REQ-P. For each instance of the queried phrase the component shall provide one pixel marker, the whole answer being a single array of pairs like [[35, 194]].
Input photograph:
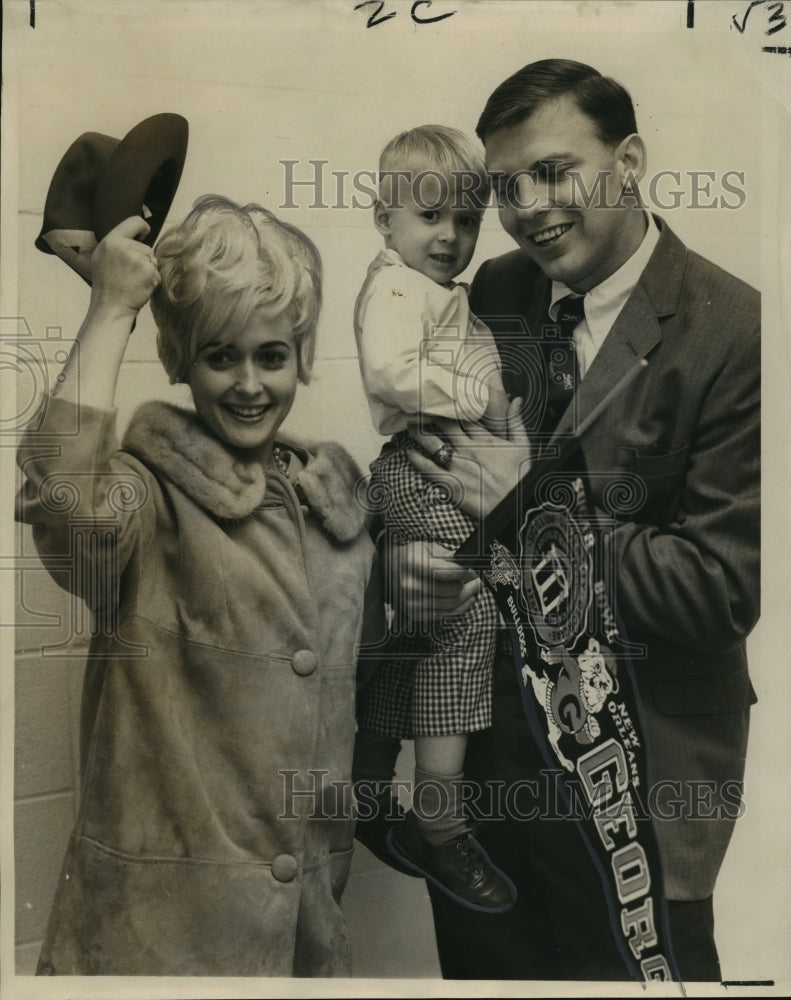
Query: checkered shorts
[[435, 684]]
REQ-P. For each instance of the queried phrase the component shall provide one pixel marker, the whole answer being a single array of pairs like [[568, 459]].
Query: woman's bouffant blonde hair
[[224, 262]]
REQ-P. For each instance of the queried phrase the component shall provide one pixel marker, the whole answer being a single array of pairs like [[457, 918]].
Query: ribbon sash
[[545, 556]]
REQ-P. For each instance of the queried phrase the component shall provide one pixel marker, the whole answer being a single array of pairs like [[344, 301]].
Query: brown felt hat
[[101, 181]]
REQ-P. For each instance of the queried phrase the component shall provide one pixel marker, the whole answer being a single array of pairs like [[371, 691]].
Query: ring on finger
[[443, 455]]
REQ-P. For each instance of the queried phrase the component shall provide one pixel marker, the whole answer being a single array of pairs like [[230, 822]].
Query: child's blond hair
[[442, 151]]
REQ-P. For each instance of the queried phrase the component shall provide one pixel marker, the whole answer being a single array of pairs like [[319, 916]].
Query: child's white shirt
[[420, 348]]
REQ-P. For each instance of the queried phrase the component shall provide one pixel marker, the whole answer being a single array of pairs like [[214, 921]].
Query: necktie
[[560, 358]]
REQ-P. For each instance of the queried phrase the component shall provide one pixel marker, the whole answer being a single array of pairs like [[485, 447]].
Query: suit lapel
[[634, 334]]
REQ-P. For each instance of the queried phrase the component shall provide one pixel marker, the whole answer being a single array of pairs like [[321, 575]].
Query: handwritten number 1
[[375, 19]]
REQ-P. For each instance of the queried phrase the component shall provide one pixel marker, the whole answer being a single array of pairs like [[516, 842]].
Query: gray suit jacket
[[675, 458]]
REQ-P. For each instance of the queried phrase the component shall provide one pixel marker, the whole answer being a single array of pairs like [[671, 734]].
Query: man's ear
[[381, 219], [632, 158]]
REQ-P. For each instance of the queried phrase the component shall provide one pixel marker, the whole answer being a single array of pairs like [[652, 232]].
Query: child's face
[[438, 242], [244, 389]]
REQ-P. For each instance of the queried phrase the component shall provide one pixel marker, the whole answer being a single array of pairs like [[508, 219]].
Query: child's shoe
[[460, 868]]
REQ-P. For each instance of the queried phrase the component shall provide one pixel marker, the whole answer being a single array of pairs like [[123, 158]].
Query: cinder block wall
[[46, 766]]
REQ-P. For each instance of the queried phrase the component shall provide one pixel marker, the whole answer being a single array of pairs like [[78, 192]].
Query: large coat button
[[304, 662], [284, 868]]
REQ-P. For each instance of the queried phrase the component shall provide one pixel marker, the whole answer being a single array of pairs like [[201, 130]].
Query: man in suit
[[677, 338]]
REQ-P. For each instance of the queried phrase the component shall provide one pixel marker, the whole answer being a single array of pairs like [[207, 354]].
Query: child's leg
[[436, 841], [373, 769], [438, 804], [374, 760], [442, 754]]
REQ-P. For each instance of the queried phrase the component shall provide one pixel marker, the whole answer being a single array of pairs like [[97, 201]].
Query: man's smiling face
[[557, 183]]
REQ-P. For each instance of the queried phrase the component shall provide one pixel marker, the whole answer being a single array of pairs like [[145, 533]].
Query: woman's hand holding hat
[[124, 273], [124, 269]]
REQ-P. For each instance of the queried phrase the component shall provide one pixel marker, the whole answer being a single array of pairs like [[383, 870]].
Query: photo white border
[[713, 52]]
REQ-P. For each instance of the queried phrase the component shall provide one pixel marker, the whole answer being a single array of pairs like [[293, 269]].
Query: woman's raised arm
[[124, 274]]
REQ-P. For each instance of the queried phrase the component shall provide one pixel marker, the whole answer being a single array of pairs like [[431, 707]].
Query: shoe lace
[[471, 855]]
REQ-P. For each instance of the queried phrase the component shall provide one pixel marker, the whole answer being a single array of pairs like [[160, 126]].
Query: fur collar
[[173, 441]]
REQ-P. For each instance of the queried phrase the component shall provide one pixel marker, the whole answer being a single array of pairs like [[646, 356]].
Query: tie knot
[[571, 310]]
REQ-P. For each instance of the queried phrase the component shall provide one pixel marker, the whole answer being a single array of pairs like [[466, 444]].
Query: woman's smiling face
[[243, 389]]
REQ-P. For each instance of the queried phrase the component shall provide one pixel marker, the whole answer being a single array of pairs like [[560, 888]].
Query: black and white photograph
[[393, 431]]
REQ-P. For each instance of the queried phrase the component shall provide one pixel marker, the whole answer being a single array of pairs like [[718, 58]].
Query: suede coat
[[218, 706]]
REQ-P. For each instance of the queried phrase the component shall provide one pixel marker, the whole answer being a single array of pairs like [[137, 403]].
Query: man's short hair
[[605, 101]]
